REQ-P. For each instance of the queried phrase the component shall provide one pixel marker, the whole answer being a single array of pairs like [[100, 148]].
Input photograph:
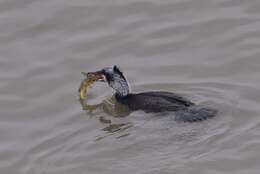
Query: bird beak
[[95, 76]]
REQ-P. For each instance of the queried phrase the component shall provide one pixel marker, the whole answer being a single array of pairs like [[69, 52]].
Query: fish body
[[87, 82], [83, 88]]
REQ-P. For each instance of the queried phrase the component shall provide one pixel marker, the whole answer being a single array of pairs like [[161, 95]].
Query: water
[[205, 50]]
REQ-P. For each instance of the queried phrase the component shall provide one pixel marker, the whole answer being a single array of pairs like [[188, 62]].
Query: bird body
[[152, 101], [155, 101]]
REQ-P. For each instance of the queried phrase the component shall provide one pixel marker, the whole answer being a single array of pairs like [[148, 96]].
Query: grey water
[[206, 50]]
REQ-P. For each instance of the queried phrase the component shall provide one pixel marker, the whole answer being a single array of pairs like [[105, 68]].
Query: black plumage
[[154, 101]]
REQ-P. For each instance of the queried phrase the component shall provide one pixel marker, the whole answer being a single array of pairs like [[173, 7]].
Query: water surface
[[205, 50]]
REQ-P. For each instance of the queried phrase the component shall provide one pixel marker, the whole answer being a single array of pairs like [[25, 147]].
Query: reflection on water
[[111, 108]]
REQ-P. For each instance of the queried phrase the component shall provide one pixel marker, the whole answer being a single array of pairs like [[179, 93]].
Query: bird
[[152, 101]]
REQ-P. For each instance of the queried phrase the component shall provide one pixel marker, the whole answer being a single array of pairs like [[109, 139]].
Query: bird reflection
[[112, 108]]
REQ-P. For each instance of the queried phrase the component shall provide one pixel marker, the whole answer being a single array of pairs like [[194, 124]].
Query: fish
[[90, 79]]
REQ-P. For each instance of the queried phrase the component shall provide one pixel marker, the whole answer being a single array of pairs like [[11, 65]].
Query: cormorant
[[154, 101]]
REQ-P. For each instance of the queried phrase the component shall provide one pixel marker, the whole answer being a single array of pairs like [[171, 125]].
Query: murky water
[[205, 50]]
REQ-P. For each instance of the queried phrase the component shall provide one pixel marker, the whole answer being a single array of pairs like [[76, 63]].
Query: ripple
[[204, 50]]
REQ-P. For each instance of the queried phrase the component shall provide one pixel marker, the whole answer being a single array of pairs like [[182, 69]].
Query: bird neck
[[120, 86], [122, 89]]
